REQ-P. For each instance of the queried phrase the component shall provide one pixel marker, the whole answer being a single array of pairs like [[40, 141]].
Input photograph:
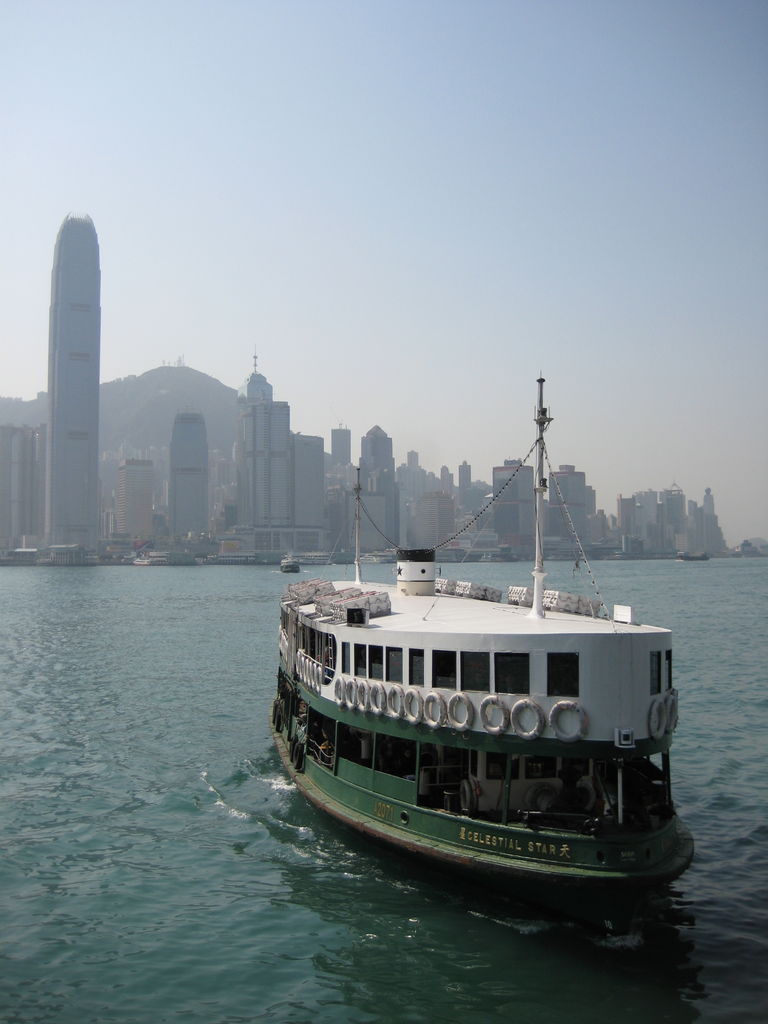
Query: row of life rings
[[663, 714], [436, 709], [310, 672], [567, 718]]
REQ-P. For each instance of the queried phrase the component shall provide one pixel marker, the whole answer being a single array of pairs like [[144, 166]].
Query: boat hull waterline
[[530, 864]]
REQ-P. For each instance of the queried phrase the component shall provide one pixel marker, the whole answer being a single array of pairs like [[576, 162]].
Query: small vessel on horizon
[[520, 737]]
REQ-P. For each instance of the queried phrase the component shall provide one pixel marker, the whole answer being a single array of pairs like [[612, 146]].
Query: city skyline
[[420, 207]]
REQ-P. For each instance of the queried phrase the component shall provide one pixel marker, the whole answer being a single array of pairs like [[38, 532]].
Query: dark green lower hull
[[601, 880]]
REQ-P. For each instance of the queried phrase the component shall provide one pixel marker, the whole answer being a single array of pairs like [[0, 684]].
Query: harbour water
[[157, 865]]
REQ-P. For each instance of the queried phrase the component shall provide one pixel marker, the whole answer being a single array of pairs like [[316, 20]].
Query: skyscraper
[[377, 476], [135, 483], [341, 446], [71, 500], [263, 462], [188, 490]]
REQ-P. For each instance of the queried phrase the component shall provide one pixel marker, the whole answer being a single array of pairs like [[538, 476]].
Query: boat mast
[[358, 578], [542, 421]]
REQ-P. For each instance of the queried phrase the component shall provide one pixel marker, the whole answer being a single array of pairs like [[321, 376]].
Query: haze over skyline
[[410, 211]]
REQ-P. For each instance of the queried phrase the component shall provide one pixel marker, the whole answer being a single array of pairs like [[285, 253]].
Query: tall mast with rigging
[[542, 421], [358, 578]]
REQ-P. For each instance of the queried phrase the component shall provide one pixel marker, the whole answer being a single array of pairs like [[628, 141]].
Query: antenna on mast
[[542, 421]]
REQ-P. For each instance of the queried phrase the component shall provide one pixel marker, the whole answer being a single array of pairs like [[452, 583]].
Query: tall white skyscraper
[[74, 341]]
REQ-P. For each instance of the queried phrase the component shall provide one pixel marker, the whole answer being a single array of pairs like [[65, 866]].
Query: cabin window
[[345, 658], [330, 650], [512, 672], [416, 667], [394, 664], [444, 669], [396, 756], [311, 647], [375, 662], [361, 660], [562, 675], [540, 767], [495, 765], [668, 667], [655, 671], [475, 670]]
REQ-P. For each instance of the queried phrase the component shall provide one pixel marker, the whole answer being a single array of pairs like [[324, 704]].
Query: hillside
[[139, 411]]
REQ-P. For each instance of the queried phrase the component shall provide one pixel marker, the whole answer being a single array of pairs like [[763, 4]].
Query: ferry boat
[[289, 564], [521, 738]]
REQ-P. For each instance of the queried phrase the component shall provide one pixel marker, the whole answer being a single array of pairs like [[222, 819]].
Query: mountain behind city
[[137, 413]]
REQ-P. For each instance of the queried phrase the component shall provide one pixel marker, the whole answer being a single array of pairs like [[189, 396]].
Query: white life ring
[[340, 691], [460, 700], [396, 701], [351, 692], [437, 719], [413, 696], [671, 704], [377, 698], [362, 694], [657, 718], [523, 707], [564, 707], [540, 796], [491, 704]]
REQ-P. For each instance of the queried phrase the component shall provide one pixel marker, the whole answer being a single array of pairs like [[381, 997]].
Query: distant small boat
[[151, 559], [289, 564], [685, 556]]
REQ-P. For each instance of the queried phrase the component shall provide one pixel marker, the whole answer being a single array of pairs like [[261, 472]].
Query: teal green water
[[157, 865]]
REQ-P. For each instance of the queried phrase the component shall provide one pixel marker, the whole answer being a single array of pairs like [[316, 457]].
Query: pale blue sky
[[410, 210]]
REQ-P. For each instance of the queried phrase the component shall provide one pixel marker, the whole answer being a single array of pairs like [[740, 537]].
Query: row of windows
[[508, 671], [470, 670]]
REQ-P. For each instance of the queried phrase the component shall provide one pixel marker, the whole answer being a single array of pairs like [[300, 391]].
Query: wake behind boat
[[521, 737]]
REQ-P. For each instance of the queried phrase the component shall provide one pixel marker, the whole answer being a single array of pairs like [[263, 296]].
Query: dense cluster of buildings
[[280, 491]]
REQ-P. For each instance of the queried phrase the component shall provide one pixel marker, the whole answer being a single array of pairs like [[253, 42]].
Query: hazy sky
[[410, 210]]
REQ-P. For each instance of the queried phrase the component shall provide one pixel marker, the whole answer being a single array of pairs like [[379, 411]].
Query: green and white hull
[[531, 753]]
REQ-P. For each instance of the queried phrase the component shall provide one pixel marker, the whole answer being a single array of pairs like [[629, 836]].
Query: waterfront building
[[465, 485], [572, 486], [72, 505], [341, 446], [513, 510], [22, 486], [673, 519], [432, 521], [135, 489], [377, 477], [263, 457], [188, 480], [308, 493]]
